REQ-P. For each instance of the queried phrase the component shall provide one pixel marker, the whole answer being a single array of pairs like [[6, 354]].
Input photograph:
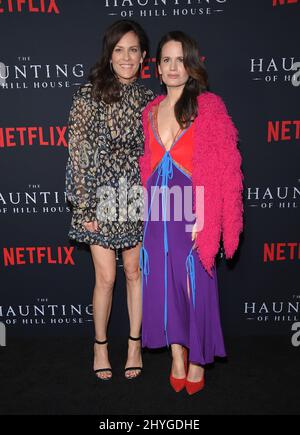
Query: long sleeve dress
[[105, 142]]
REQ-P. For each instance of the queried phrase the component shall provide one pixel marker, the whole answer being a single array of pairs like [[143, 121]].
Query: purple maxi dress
[[180, 299]]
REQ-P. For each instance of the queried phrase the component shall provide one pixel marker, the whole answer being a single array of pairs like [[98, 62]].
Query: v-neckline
[[154, 116]]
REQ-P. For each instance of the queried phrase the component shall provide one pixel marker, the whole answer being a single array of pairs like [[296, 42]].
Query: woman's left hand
[[194, 234]]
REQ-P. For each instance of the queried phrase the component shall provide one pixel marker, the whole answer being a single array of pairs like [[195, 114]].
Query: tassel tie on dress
[[144, 262], [190, 268], [166, 173]]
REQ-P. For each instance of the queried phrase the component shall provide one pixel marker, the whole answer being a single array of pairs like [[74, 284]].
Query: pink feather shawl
[[217, 167]]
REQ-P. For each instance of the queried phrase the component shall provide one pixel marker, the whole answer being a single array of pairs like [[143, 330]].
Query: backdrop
[[47, 48]]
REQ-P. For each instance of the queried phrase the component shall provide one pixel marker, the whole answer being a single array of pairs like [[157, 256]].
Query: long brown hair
[[104, 83], [186, 108]]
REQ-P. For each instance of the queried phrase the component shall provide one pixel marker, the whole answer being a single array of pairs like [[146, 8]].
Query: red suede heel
[[194, 387], [178, 384]]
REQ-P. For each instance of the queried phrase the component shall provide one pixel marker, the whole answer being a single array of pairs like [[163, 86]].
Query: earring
[[140, 69], [111, 68], [160, 79]]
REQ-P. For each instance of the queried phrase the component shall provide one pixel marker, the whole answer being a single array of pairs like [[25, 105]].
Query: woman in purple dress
[[191, 169]]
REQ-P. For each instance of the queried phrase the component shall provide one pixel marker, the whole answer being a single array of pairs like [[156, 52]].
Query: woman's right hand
[[91, 226]]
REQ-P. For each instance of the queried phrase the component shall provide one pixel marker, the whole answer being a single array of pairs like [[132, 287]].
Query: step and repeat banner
[[252, 55]]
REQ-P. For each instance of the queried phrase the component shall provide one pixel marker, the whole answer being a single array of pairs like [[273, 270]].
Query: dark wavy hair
[[186, 108], [105, 85]]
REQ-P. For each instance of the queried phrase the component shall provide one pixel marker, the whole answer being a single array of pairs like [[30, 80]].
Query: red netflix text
[[41, 136], [38, 255], [284, 2], [281, 251], [283, 130], [33, 6], [149, 69]]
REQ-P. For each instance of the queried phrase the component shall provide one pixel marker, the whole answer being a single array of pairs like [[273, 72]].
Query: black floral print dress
[[102, 175]]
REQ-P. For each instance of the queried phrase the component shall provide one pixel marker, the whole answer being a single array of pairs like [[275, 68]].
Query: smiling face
[[126, 57], [171, 66]]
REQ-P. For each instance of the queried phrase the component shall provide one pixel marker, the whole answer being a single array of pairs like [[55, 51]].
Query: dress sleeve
[[81, 171], [147, 97]]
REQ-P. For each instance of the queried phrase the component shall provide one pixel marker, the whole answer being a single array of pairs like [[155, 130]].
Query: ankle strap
[[100, 342], [134, 338]]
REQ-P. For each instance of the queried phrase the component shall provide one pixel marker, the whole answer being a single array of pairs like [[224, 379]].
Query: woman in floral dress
[[105, 142]]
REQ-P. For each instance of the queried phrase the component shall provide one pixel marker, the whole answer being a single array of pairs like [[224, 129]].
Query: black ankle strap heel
[[133, 368], [134, 338], [105, 369], [100, 342]]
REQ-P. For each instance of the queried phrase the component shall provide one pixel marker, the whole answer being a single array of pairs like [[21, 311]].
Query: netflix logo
[[284, 2], [32, 6], [33, 136], [20, 256], [283, 130], [285, 251]]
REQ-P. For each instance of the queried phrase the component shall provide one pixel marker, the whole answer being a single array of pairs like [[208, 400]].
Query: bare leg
[[195, 373], [178, 370], [105, 274], [134, 303]]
